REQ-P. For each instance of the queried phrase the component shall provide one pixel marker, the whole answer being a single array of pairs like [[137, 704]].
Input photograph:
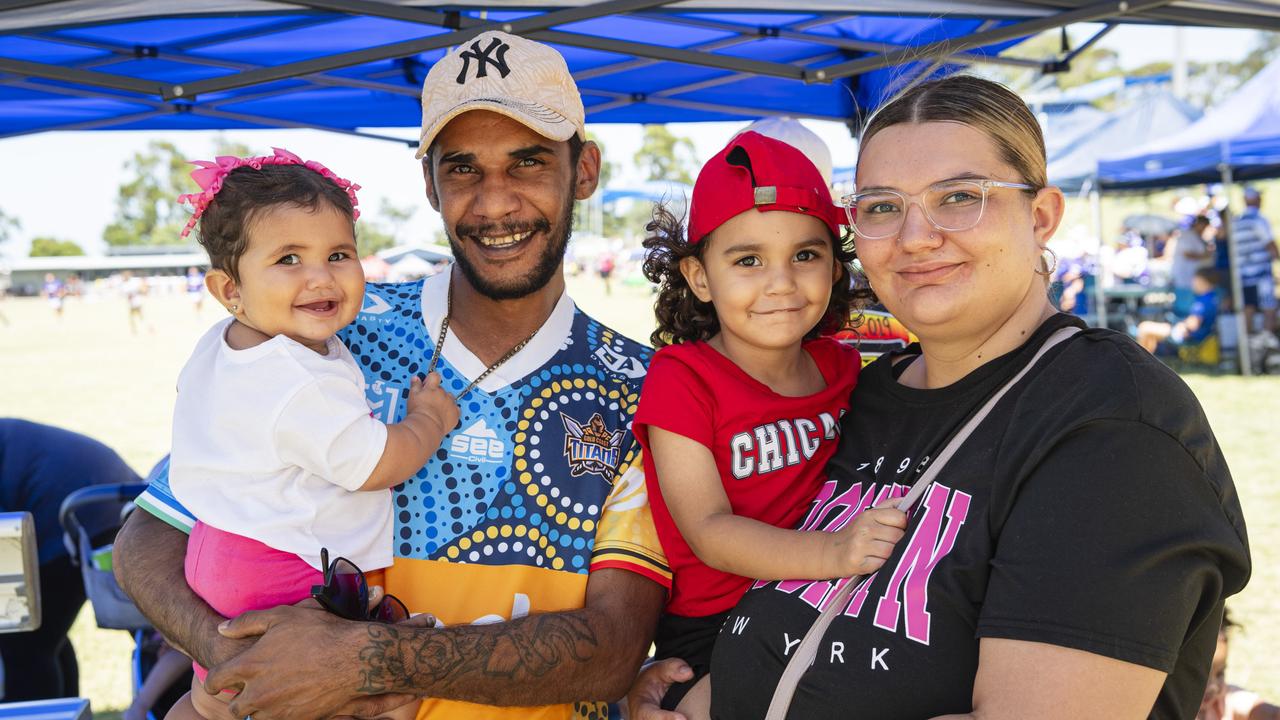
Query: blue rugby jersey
[[540, 482]]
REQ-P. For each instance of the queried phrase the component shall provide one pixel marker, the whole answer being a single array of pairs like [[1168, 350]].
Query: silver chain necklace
[[444, 330]]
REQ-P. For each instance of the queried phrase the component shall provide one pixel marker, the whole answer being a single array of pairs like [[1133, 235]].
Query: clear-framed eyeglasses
[[951, 205]]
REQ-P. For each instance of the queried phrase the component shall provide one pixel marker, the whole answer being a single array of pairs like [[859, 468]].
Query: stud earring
[[233, 309]]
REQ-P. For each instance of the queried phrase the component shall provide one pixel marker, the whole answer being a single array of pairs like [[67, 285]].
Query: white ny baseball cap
[[791, 132], [525, 80]]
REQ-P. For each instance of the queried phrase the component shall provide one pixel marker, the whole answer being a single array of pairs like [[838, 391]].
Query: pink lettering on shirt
[[928, 545]]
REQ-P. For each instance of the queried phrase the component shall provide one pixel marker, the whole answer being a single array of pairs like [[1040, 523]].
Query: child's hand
[[429, 399], [863, 546]]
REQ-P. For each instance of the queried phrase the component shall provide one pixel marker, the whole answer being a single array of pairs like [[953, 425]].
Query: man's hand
[[308, 663], [644, 701], [284, 635], [304, 665]]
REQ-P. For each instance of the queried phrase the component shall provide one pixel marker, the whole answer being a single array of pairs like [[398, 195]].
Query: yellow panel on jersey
[[626, 537]]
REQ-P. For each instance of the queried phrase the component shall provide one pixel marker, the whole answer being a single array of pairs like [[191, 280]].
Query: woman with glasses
[[1071, 558]]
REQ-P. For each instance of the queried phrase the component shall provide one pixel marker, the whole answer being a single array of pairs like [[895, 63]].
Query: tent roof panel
[[652, 113], [777, 94], [191, 121], [82, 12], [46, 51], [79, 12], [578, 59], [165, 31], [653, 31], [778, 50], [336, 107], [165, 71], [342, 34], [651, 79], [273, 62], [1256, 105], [1154, 115], [773, 19]]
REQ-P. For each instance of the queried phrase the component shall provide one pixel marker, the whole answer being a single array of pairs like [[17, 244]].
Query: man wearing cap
[[1255, 251], [528, 535]]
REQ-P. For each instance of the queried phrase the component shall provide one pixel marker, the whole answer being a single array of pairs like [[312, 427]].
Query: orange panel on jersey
[[445, 710], [509, 590], [426, 586]]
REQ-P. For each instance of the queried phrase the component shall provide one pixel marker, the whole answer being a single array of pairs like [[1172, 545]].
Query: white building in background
[[28, 273]]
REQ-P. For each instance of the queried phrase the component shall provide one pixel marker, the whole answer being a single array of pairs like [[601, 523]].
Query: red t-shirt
[[771, 450]]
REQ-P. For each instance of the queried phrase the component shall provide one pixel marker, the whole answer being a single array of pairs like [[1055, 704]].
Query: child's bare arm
[[863, 546], [432, 413], [698, 504]]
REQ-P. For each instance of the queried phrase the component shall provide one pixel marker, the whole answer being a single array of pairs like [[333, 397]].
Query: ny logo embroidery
[[484, 58]]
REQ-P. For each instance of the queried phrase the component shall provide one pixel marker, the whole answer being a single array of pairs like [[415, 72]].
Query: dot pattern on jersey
[[501, 489]]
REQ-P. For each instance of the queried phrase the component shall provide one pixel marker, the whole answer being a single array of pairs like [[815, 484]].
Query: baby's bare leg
[[200, 705], [696, 704], [408, 711], [183, 709], [186, 709]]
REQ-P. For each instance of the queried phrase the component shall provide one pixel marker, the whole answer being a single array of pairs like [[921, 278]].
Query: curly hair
[[682, 317], [246, 193]]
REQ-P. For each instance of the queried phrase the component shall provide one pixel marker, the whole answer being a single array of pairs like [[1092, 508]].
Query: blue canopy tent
[[651, 190], [352, 65], [1242, 132], [1073, 167], [1153, 116], [1068, 115], [1065, 125], [1238, 140]]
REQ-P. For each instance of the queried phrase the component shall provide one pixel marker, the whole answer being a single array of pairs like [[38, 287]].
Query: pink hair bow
[[210, 175]]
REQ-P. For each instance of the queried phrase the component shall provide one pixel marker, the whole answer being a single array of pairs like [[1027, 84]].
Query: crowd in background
[[1167, 280]]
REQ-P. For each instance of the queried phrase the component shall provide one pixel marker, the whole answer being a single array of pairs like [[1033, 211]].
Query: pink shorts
[[235, 574]]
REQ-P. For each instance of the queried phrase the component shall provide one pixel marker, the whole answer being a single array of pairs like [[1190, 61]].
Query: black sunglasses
[[346, 594]]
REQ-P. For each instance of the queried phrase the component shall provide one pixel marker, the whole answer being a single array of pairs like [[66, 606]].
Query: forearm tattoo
[[476, 662]]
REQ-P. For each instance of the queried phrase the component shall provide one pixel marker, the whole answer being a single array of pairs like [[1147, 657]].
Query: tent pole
[[1237, 292], [1099, 290]]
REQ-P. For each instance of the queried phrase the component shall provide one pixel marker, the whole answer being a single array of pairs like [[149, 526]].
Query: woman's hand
[[644, 701]]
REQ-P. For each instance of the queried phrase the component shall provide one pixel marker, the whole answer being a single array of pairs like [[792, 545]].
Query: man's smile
[[499, 242]]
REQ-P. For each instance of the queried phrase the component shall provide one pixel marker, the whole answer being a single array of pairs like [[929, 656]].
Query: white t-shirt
[[274, 442], [1184, 268]]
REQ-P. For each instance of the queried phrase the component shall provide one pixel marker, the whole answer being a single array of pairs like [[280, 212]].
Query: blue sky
[[64, 184]]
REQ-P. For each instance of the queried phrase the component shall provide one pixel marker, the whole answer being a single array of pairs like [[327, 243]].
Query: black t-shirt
[[1092, 510]]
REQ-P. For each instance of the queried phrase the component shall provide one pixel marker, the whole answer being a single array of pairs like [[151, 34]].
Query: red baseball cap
[[755, 171]]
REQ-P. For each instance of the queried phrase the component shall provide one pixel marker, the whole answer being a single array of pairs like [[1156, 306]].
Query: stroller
[[90, 519]]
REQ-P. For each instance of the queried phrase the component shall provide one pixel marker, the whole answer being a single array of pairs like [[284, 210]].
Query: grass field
[[88, 373]]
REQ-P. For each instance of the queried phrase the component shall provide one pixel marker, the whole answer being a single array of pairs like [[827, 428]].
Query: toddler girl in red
[[741, 406]]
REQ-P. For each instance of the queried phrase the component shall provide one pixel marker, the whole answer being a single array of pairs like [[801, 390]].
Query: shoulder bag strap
[[807, 651]]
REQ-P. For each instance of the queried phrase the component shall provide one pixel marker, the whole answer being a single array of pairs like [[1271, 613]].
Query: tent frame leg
[[1099, 288], [1237, 290]]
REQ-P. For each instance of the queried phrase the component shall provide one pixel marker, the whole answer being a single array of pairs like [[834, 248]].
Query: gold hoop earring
[[1050, 266]]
